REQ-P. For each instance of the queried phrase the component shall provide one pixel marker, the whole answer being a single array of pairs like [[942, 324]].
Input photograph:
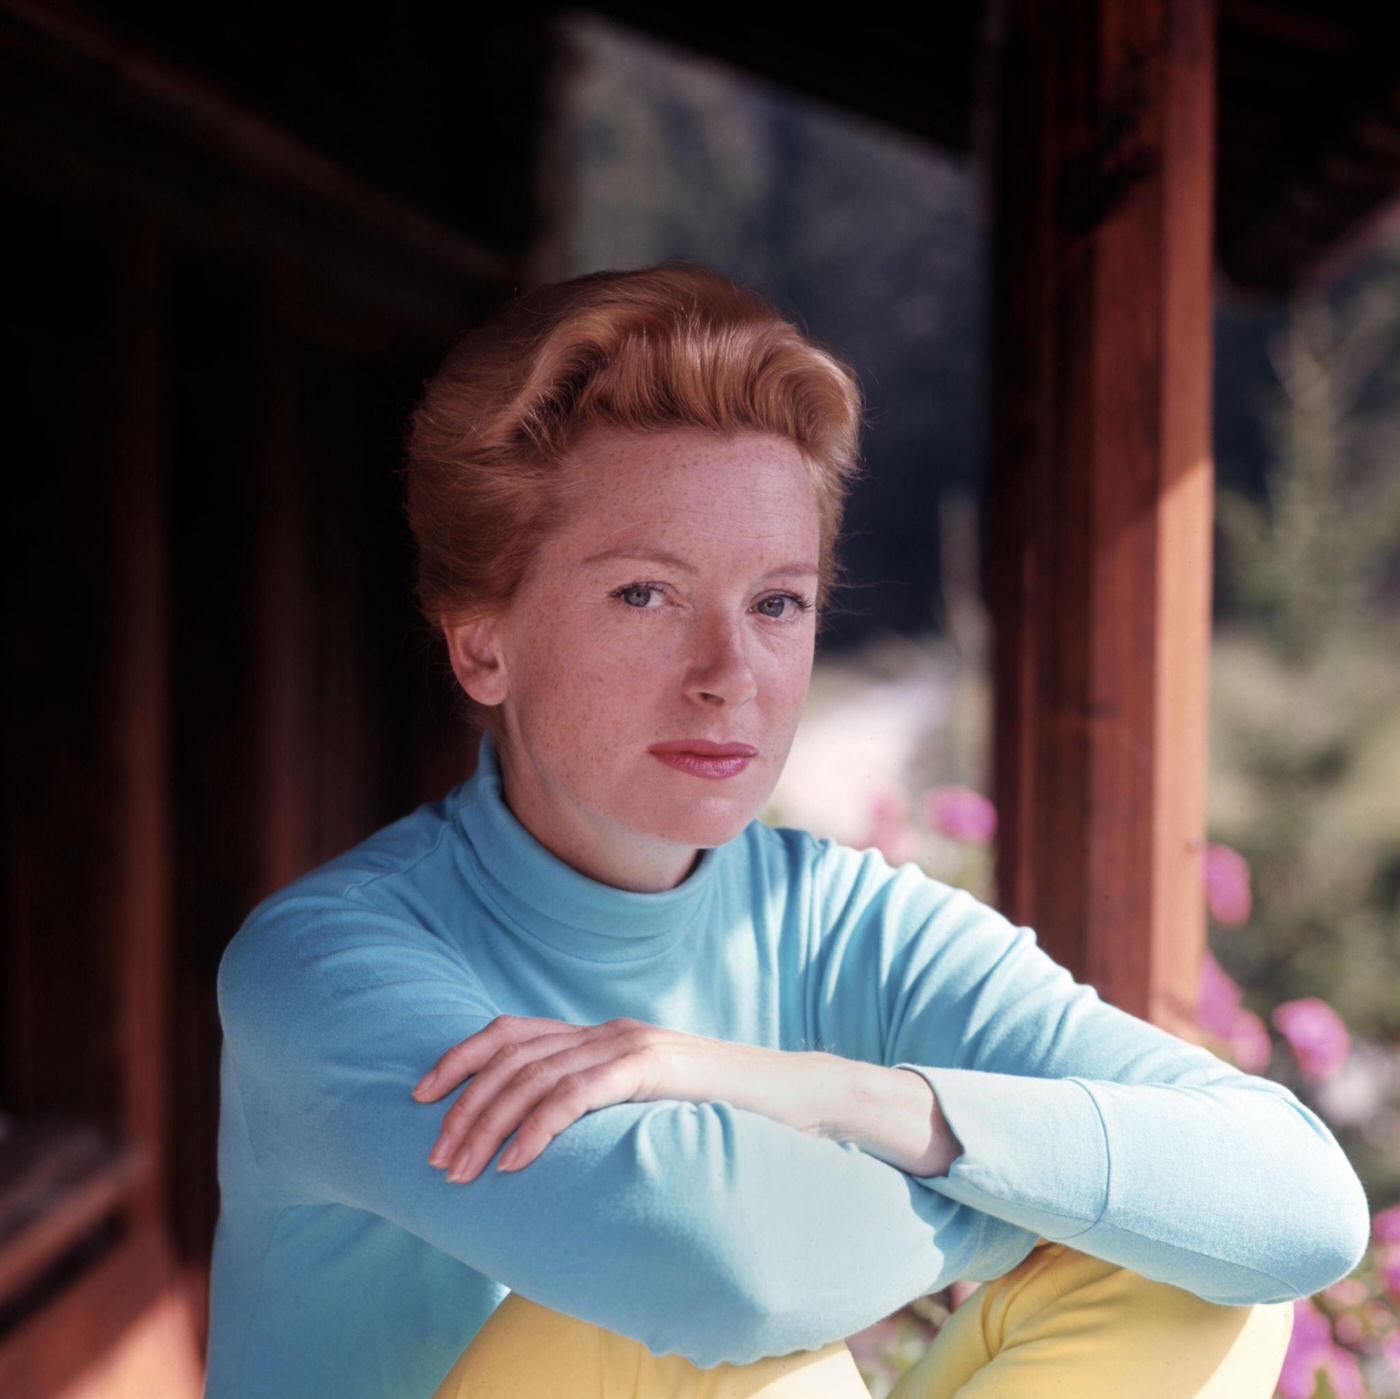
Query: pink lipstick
[[705, 758]]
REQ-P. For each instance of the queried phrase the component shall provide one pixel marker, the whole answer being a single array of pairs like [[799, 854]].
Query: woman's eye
[[799, 604], [631, 588]]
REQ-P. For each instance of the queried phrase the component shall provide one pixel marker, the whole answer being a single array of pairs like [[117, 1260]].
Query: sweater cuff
[[1034, 1150]]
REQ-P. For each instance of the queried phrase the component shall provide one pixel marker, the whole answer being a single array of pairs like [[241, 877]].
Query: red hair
[[673, 345]]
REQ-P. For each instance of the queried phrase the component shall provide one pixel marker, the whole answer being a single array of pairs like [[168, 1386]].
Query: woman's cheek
[[608, 672]]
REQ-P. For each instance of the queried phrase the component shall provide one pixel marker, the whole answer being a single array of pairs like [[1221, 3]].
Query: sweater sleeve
[[1077, 1120], [673, 1223]]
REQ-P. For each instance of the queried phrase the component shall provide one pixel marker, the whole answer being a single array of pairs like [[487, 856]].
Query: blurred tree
[[1305, 724]]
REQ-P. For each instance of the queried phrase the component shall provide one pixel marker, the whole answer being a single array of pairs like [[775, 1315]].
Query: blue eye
[[799, 603], [621, 594]]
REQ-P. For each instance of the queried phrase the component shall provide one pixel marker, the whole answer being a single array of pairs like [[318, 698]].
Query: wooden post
[[140, 710], [1099, 508], [282, 631]]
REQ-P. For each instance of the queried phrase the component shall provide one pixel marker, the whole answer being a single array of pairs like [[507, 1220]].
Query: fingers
[[570, 1097], [541, 1099], [487, 1081], [465, 1058]]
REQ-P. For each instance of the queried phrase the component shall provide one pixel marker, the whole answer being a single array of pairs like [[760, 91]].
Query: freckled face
[[605, 657]]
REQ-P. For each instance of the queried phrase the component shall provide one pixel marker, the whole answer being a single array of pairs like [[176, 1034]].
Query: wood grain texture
[[1100, 493]]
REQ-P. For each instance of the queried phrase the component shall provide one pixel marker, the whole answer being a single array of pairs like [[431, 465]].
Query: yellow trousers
[[1060, 1323]]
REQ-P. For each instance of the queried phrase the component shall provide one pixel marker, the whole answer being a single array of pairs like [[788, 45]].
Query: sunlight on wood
[[158, 1358]]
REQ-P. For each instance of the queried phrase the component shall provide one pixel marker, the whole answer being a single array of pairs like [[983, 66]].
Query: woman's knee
[[1128, 1333], [1063, 1322], [526, 1348]]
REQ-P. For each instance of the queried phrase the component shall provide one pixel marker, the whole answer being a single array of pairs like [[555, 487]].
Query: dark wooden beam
[[120, 1326], [1099, 503], [95, 119], [138, 707], [1303, 185]]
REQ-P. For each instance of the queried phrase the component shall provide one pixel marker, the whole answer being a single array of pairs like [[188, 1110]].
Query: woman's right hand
[[535, 1076]]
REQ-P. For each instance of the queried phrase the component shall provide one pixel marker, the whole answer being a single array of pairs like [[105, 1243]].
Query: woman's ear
[[474, 650]]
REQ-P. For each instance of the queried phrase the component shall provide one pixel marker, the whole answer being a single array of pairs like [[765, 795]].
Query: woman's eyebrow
[[650, 555]]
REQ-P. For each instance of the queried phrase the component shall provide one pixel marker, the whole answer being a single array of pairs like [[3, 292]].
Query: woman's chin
[[685, 810], [705, 823]]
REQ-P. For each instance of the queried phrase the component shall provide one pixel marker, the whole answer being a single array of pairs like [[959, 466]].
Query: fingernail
[[511, 1156], [425, 1083]]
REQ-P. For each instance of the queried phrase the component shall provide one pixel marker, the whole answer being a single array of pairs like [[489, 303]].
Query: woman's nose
[[721, 669]]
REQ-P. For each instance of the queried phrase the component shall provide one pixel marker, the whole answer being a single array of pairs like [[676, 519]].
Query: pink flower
[[1218, 999], [889, 830], [1311, 1336], [1345, 1374], [889, 807], [1378, 1316], [1315, 1033], [1310, 1349], [1220, 1014], [1390, 1275], [1249, 1042], [1227, 884], [1349, 1292], [1348, 1328], [961, 813], [1390, 1348], [1385, 1227]]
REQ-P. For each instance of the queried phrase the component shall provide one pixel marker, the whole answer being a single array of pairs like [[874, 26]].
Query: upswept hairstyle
[[672, 345]]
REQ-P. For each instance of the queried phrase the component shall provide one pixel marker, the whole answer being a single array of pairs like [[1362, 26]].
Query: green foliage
[[1305, 721], [1316, 554]]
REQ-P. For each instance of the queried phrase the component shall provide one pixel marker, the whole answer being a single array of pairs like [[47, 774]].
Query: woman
[[764, 1088]]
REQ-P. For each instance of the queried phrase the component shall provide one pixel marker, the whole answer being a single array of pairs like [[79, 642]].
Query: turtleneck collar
[[549, 900]]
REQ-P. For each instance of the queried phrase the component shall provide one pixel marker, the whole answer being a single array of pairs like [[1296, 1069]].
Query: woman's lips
[[698, 766]]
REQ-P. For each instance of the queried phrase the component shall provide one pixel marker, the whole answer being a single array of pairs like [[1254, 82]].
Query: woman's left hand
[[535, 1076]]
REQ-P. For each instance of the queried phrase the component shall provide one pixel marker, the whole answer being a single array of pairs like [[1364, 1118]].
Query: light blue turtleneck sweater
[[345, 1264]]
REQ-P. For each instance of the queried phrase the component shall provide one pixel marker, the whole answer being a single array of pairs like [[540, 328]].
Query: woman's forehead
[[681, 498], [640, 481], [643, 551]]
